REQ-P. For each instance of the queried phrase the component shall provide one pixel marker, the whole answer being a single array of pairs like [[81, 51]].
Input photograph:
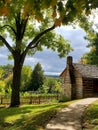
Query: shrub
[[63, 98]]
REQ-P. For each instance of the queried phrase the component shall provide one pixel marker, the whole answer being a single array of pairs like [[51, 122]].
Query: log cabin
[[79, 80]]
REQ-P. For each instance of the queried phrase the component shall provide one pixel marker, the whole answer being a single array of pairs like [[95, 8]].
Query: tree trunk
[[16, 82]]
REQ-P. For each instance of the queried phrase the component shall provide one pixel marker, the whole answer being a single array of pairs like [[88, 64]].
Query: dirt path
[[70, 118]]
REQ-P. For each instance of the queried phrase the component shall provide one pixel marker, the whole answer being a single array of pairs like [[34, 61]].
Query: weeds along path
[[70, 118]]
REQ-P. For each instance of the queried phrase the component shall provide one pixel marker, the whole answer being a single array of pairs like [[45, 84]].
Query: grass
[[91, 117], [28, 117]]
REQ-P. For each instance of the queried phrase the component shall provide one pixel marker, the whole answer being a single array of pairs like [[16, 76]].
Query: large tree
[[27, 21]]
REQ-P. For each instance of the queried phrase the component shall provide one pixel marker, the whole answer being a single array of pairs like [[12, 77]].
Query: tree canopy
[[24, 20]]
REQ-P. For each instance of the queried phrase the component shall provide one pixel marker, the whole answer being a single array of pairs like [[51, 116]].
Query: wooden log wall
[[88, 85]]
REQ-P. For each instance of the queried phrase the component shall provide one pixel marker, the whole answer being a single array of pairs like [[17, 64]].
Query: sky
[[50, 61]]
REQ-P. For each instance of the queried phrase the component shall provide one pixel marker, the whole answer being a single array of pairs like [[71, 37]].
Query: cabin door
[[95, 87]]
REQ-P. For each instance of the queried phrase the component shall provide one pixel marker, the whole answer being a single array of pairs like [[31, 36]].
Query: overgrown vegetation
[[90, 120], [28, 117]]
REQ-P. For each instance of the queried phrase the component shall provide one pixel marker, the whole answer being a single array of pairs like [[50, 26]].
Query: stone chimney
[[69, 60]]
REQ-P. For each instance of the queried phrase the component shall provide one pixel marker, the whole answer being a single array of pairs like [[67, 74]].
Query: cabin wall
[[89, 87]]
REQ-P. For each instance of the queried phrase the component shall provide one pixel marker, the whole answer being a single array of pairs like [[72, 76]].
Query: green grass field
[[28, 117], [91, 117]]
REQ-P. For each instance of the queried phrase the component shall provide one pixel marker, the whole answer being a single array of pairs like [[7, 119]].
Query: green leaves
[[63, 47], [92, 56], [38, 15], [57, 43]]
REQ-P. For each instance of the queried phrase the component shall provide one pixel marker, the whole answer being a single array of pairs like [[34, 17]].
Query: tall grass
[[91, 117]]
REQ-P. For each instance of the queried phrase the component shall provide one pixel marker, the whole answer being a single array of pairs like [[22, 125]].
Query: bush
[[63, 98]]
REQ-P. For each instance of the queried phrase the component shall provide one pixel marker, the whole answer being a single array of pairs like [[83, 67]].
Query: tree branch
[[7, 44], [35, 45], [35, 41], [20, 26], [23, 24], [10, 28]]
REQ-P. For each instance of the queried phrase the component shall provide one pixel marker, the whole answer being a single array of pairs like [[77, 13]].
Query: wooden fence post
[[1, 102], [30, 100], [39, 99]]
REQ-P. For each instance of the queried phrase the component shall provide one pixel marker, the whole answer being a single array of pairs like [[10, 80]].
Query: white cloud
[[3, 56], [49, 60], [31, 60], [77, 41]]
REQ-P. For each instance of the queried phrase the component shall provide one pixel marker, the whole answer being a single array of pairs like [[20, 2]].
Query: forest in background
[[50, 84]]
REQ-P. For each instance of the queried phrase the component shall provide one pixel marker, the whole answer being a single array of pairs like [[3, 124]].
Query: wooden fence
[[30, 99]]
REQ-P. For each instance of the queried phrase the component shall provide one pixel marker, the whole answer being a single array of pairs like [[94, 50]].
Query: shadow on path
[[70, 118]]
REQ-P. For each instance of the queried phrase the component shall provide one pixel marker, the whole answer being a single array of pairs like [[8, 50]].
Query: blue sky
[[49, 60]]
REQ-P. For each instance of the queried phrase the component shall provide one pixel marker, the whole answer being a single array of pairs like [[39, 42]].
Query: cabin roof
[[88, 71]]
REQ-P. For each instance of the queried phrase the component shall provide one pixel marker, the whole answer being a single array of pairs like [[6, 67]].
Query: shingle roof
[[89, 71]]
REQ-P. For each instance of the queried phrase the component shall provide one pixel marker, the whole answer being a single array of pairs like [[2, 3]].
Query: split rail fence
[[30, 99]]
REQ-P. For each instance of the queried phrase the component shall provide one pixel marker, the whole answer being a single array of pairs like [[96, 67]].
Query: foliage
[[5, 74], [8, 82], [5, 71], [32, 22], [63, 98], [91, 116], [92, 56], [26, 77], [37, 94], [6, 78], [2, 87], [51, 85], [37, 78], [92, 39]]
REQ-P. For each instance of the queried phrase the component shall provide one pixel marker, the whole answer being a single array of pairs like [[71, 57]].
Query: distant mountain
[[53, 76]]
